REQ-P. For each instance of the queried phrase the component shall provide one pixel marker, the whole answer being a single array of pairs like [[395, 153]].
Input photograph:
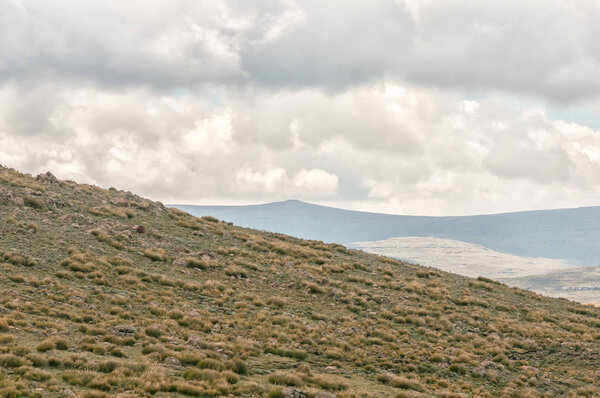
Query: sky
[[418, 107]]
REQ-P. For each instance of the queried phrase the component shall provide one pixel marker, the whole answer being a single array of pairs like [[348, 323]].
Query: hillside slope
[[568, 234], [104, 293]]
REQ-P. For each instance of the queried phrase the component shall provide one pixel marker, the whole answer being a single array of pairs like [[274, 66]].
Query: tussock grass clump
[[109, 211], [400, 382], [18, 259], [33, 202], [156, 254], [11, 361], [286, 379], [153, 331], [198, 263]]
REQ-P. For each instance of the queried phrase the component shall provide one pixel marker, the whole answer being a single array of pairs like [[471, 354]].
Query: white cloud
[[312, 183], [373, 105], [373, 147]]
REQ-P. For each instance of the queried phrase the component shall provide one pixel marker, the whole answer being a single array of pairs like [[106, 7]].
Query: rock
[[142, 205], [19, 201], [530, 370], [293, 393], [120, 202], [479, 371], [324, 395], [172, 361], [47, 178], [194, 341], [67, 393], [180, 262], [182, 249], [124, 330], [492, 365]]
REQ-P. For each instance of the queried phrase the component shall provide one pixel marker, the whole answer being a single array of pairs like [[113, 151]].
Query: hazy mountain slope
[[569, 234], [460, 257], [105, 294], [581, 284], [547, 276]]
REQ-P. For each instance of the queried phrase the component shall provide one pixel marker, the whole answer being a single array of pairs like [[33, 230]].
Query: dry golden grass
[[93, 304]]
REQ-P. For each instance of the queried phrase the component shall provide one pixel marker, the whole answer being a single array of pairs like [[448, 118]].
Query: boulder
[[47, 178]]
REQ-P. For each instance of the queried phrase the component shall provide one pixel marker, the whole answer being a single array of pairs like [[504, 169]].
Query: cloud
[[405, 106], [545, 49], [306, 183], [379, 147]]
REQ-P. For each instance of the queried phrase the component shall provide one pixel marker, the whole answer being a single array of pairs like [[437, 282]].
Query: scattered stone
[[182, 249], [47, 178], [120, 202], [19, 201], [142, 206], [324, 395], [124, 330], [194, 341], [293, 393], [492, 365], [180, 262], [174, 362], [67, 393]]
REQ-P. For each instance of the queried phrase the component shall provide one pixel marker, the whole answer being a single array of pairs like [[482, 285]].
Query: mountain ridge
[[568, 234]]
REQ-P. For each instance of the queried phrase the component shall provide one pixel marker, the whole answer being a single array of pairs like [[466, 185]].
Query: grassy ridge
[[104, 293]]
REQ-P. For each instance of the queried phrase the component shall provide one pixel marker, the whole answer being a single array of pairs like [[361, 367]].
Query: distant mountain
[[569, 234]]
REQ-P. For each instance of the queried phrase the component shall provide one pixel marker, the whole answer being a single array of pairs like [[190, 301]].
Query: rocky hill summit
[[107, 294]]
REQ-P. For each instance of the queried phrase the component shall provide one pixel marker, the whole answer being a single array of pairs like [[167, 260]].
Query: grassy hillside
[[104, 293]]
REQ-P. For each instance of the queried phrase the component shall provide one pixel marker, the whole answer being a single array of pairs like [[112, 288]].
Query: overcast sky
[[412, 107]]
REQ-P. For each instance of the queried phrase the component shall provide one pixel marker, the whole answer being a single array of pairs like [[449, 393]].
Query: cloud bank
[[406, 107]]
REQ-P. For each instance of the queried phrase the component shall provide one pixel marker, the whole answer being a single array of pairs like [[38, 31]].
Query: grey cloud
[[161, 45], [340, 43], [547, 49], [516, 161]]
